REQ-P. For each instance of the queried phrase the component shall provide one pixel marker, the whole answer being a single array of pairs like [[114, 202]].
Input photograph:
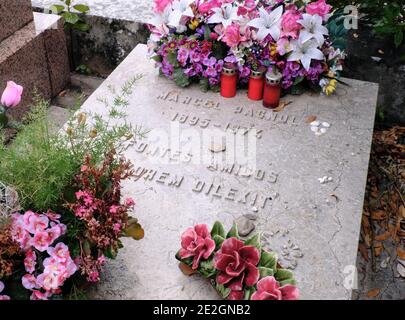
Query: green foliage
[[71, 13], [233, 232], [41, 164], [337, 30], [180, 78]]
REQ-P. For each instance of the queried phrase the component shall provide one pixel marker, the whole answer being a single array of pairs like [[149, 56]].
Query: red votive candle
[[272, 90], [256, 85], [229, 80]]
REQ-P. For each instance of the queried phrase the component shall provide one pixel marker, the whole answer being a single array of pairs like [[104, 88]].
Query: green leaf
[[268, 260], [233, 233], [207, 268], [82, 26], [57, 8], [70, 18], [207, 33], [288, 281], [399, 38], [180, 78], [223, 292], [81, 8], [284, 274], [254, 241], [204, 85], [249, 292], [218, 241], [266, 272], [110, 253], [157, 58], [3, 120], [172, 58], [218, 229]]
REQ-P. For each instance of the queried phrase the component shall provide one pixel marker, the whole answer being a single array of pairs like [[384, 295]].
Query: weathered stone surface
[[14, 14], [314, 228], [27, 58], [245, 226]]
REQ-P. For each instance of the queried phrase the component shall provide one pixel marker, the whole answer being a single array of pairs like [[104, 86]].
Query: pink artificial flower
[[117, 227], [246, 7], [129, 202], [41, 241], [283, 46], [160, 5], [29, 281], [30, 261], [53, 216], [114, 209], [208, 5], [38, 295], [214, 36], [3, 297], [94, 276], [197, 242], [101, 259], [237, 264], [56, 231], [232, 35], [236, 295], [60, 252], [269, 289], [37, 223], [320, 7], [48, 281], [289, 23], [12, 95]]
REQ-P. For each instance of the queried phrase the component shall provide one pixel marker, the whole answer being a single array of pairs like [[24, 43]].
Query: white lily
[[313, 28], [305, 51], [225, 15], [180, 9], [268, 23]]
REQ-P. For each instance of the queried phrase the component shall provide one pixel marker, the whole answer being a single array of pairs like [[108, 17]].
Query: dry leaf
[[134, 230], [281, 106], [378, 249], [402, 211], [383, 236], [373, 293], [363, 251], [378, 215], [188, 271], [401, 253], [62, 94], [311, 119]]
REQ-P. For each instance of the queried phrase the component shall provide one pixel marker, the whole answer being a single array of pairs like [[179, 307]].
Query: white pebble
[[323, 130], [315, 123], [330, 179], [315, 129], [325, 125], [318, 133]]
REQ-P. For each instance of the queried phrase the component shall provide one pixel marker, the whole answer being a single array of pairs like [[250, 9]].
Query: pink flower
[[48, 281], [12, 95], [208, 5], [196, 242], [30, 261], [232, 35], [38, 295], [237, 264], [283, 46], [94, 276], [37, 223], [129, 202], [3, 297], [29, 281], [269, 289], [236, 295], [320, 7], [60, 252], [160, 5], [290, 25], [41, 241], [56, 231], [53, 216]]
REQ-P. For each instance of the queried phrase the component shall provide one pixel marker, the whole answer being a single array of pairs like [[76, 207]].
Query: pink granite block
[[14, 14]]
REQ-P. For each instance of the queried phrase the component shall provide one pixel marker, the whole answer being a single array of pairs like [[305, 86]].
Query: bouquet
[[237, 269], [191, 40]]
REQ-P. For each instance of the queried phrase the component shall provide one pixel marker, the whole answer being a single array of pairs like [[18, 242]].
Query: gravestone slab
[[313, 226], [14, 14]]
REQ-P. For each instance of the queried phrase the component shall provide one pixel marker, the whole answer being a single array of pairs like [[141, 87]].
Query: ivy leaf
[[254, 241], [218, 229], [233, 233], [268, 260], [180, 78]]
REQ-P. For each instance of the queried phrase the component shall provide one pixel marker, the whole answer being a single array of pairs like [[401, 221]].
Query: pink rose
[[12, 95], [160, 5], [236, 295], [232, 35], [269, 289], [237, 264], [290, 25], [196, 242], [320, 7]]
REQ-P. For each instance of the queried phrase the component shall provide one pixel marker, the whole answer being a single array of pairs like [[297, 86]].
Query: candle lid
[[229, 69], [258, 73], [273, 77]]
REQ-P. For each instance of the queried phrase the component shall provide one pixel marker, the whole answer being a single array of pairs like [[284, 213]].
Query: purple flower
[[209, 62], [211, 72], [182, 56], [195, 56]]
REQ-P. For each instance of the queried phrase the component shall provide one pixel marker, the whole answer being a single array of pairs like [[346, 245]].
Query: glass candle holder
[[256, 85], [229, 80], [272, 89]]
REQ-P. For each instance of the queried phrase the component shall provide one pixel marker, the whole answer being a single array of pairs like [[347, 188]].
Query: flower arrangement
[[70, 215], [191, 41], [237, 269]]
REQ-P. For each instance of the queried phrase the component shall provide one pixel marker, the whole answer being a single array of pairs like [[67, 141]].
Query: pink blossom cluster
[[36, 233]]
